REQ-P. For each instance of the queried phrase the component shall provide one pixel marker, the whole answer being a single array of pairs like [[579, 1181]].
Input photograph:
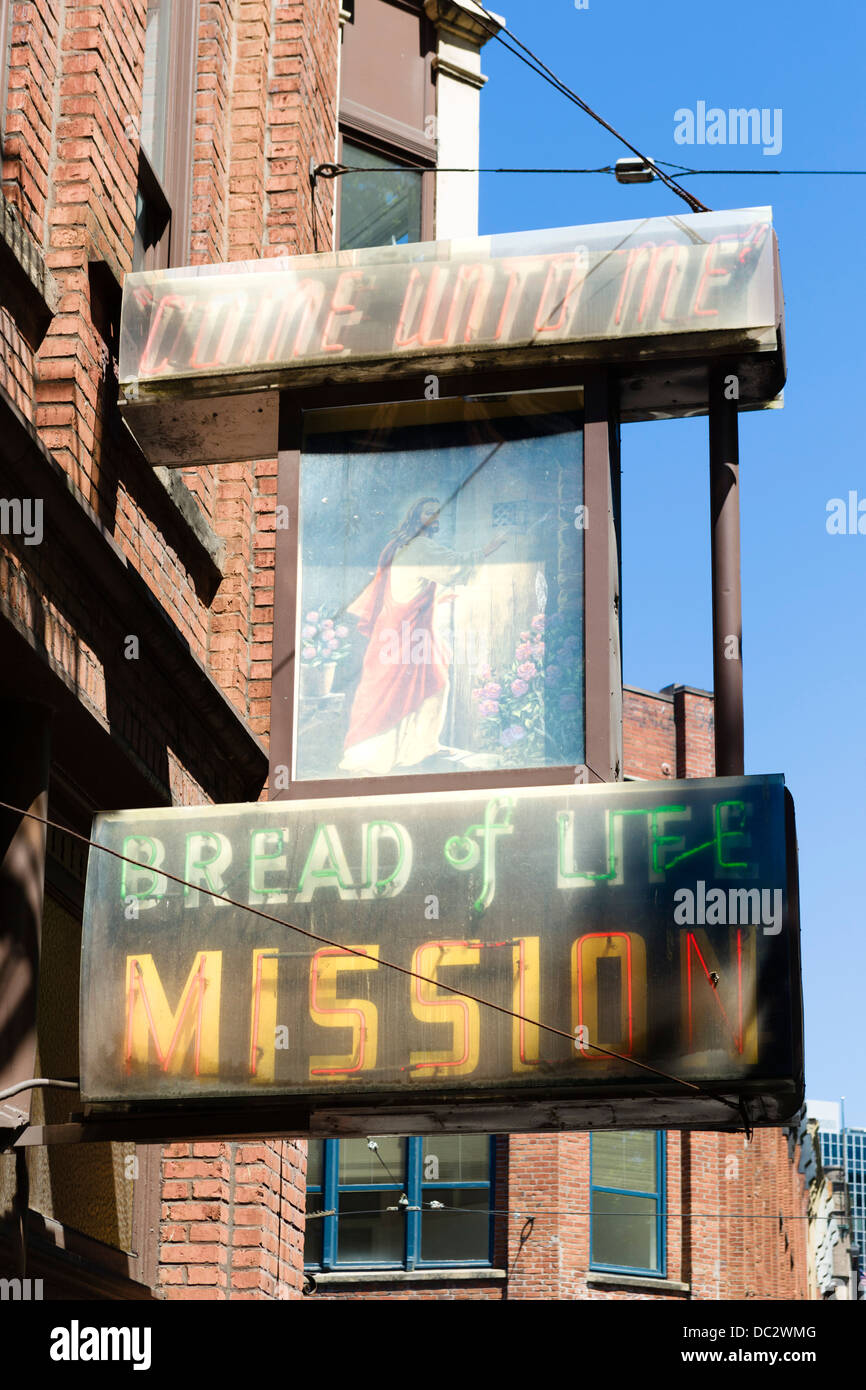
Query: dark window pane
[[368, 1234], [457, 1158], [359, 1164], [314, 1231], [315, 1162], [626, 1159], [624, 1231], [154, 103], [461, 1230], [378, 209]]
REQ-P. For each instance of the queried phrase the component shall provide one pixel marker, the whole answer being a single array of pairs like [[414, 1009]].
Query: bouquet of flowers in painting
[[529, 711], [324, 642]]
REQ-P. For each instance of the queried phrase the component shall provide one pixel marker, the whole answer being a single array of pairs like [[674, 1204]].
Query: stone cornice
[[465, 19]]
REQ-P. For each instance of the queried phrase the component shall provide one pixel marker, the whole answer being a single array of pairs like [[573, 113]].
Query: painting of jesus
[[421, 625]]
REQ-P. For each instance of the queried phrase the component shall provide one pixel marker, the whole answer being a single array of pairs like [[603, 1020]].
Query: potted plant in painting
[[324, 643]]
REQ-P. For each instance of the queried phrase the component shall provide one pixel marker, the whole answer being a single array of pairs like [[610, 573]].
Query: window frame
[[401, 154], [169, 196], [660, 1198], [415, 1188]]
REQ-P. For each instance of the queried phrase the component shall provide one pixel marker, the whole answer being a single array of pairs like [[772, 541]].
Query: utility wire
[[523, 1214], [550, 77], [352, 950], [373, 1146], [334, 171]]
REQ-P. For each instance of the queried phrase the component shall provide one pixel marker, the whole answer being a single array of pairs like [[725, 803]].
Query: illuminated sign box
[[609, 955], [680, 289]]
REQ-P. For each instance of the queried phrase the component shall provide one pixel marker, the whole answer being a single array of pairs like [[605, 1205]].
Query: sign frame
[[602, 623], [727, 1105]]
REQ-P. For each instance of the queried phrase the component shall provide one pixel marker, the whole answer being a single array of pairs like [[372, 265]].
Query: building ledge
[[636, 1281], [465, 19], [404, 1276], [239, 757], [458, 72], [30, 292]]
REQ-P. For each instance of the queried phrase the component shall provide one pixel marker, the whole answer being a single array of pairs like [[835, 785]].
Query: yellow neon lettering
[[151, 1023], [461, 1015], [330, 1012]]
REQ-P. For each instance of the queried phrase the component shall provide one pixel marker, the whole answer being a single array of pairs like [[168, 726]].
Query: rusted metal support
[[727, 603]]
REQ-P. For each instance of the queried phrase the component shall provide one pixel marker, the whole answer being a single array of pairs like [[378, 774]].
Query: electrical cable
[[390, 965], [334, 171], [524, 1215], [374, 1148], [541, 68], [36, 1084]]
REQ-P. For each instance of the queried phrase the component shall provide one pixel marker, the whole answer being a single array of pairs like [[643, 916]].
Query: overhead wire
[[538, 66], [523, 1213], [334, 171]]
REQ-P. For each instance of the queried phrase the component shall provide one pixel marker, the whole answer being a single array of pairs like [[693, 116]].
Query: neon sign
[[235, 326], [435, 946]]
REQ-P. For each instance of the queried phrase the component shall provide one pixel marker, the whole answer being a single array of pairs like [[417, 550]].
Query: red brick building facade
[[138, 625]]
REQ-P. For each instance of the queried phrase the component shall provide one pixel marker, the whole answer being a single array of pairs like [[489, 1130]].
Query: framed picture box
[[431, 594]]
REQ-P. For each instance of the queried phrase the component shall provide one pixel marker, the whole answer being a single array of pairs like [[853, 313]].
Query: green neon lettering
[[716, 842], [190, 864], [257, 856], [562, 819], [662, 839], [155, 877], [489, 829], [726, 834], [382, 882], [331, 854]]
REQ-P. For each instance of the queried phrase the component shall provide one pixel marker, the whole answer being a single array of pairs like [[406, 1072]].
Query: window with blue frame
[[627, 1185], [399, 1203]]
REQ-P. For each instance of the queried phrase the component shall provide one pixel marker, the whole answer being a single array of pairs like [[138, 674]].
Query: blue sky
[[804, 644]]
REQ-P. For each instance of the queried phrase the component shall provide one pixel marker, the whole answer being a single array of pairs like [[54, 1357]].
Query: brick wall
[[231, 1221], [265, 102], [16, 366]]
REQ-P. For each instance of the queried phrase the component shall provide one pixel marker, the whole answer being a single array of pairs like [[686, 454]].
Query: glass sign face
[[440, 582], [694, 274], [615, 944]]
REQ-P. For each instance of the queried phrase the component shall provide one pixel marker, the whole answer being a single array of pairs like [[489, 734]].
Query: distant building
[[844, 1147]]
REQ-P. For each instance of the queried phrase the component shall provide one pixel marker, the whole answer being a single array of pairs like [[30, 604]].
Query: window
[[378, 208], [627, 1182], [165, 156], [387, 121], [399, 1203]]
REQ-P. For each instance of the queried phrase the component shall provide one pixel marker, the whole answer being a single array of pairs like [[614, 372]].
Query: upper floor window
[[627, 1178], [382, 207], [399, 1203], [387, 121], [166, 135]]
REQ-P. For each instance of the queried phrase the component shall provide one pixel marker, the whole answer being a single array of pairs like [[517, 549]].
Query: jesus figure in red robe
[[402, 695]]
